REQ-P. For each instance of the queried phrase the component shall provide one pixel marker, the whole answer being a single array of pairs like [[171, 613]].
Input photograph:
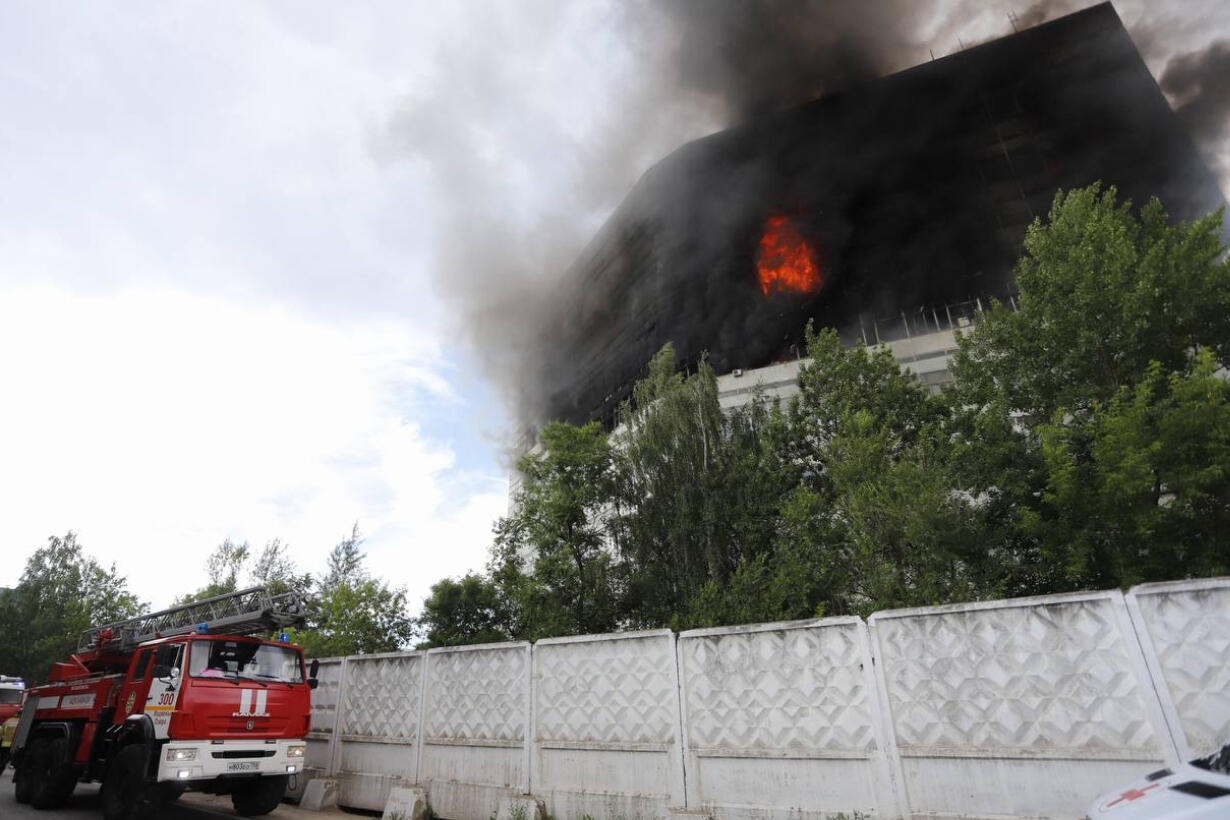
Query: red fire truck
[[184, 698]]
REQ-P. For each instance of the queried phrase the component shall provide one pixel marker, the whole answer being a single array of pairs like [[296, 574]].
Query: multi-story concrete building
[[907, 193]]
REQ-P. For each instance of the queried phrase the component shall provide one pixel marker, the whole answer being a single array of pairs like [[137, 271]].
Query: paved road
[[84, 805]]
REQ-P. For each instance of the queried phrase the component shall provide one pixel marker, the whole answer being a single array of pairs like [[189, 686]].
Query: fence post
[[418, 741], [681, 785], [335, 741], [528, 739], [1150, 692], [886, 731], [1170, 715]]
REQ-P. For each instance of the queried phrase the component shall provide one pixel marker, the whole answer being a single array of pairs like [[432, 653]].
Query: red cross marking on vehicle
[[1130, 795]]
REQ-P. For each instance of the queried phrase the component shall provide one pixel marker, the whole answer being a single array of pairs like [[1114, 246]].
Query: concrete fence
[[1013, 709]]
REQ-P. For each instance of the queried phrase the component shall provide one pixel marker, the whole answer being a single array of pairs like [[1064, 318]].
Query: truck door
[[133, 692], [165, 682]]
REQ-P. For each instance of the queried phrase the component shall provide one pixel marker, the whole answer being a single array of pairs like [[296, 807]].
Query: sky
[[245, 248]]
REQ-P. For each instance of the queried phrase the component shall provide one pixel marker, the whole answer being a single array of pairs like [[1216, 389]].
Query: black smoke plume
[[509, 221], [761, 56], [1198, 82]]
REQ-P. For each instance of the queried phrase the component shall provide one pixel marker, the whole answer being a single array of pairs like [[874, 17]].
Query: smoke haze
[[1199, 86], [759, 57], [540, 121]]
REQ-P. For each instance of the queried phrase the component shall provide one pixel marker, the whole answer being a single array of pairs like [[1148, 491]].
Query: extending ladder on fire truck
[[246, 612]]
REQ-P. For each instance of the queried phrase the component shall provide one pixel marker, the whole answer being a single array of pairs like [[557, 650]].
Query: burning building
[[911, 191]]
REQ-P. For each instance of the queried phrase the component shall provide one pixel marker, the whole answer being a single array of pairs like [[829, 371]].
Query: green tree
[[909, 537], [345, 561], [1142, 490], [875, 518], [276, 570], [223, 568], [469, 610], [62, 592], [697, 489], [353, 613], [1062, 406], [233, 565], [553, 553], [226, 564], [1102, 294]]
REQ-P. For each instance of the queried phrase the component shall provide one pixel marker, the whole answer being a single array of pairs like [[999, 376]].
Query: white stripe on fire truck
[[245, 701], [261, 697]]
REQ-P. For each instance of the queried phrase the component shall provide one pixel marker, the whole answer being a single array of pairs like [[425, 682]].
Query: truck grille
[[233, 754]]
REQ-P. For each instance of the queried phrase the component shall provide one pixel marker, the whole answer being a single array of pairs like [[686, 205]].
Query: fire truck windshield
[[243, 659], [8, 695]]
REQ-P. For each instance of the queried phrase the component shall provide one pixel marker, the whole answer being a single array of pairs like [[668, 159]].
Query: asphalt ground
[[85, 804]]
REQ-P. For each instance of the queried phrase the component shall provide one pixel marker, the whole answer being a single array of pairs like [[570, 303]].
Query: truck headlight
[[296, 751], [177, 755]]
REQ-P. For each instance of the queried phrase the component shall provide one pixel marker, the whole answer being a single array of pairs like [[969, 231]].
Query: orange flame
[[785, 262]]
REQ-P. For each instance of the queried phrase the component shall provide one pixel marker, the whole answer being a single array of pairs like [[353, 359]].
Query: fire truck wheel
[[125, 794], [170, 792], [260, 796], [21, 782], [50, 773]]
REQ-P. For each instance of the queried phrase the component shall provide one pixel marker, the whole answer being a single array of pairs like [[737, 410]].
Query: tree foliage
[[696, 488], [553, 553], [275, 569], [62, 592], [352, 612], [468, 610], [1089, 420], [233, 565]]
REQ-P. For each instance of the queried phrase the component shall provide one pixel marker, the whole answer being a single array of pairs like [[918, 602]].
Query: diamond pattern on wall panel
[[797, 690], [1026, 679], [619, 691], [324, 696], [477, 694], [1190, 630], [382, 697]]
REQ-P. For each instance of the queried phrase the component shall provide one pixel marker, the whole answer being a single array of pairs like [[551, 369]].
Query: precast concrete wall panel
[[606, 725], [1020, 708], [378, 727], [475, 728], [325, 697], [1024, 708], [781, 721], [1185, 630]]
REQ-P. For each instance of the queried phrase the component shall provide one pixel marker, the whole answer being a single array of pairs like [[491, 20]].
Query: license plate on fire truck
[[243, 767]]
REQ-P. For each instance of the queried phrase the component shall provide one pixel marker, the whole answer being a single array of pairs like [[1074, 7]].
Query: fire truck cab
[[153, 707], [12, 692]]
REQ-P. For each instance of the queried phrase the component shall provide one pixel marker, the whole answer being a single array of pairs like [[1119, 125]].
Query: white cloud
[[232, 331], [155, 423]]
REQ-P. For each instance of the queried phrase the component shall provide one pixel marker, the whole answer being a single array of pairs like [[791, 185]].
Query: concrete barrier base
[[319, 794], [521, 807], [405, 803]]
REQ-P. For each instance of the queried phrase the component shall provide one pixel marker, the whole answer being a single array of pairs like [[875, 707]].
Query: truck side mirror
[[312, 671]]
